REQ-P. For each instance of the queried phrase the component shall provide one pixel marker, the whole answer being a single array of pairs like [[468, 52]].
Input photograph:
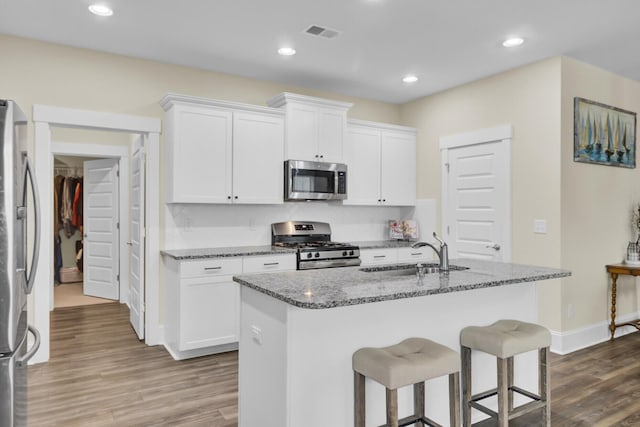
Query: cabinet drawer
[[379, 256], [415, 254], [211, 267], [265, 264]]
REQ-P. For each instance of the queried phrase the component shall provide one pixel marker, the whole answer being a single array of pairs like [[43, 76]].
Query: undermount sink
[[409, 269]]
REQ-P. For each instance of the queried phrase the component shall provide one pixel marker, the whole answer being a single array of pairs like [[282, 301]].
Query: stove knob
[[350, 252], [309, 255], [317, 255], [344, 253]]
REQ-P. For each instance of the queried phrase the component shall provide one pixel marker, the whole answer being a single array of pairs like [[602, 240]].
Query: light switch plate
[[540, 226]]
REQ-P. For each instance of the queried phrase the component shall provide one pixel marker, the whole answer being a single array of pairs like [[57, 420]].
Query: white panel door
[[101, 233], [137, 229], [477, 216], [258, 156]]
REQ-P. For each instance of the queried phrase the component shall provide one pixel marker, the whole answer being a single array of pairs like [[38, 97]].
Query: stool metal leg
[[359, 409], [544, 385], [418, 402], [503, 400], [454, 399], [392, 407], [510, 381], [466, 385]]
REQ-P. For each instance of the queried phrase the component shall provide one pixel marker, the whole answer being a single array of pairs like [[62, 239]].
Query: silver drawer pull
[[213, 268], [416, 253], [270, 263], [379, 256]]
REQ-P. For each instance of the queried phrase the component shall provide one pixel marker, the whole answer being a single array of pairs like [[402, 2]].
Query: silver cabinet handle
[[495, 246], [416, 253], [379, 256], [270, 263], [212, 268]]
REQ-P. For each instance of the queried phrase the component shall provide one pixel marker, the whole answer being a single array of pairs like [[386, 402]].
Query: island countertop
[[337, 287]]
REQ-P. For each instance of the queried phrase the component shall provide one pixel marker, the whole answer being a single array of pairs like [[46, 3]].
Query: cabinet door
[[378, 256], [362, 155], [199, 155], [398, 172], [302, 132], [258, 156], [331, 130], [209, 312]]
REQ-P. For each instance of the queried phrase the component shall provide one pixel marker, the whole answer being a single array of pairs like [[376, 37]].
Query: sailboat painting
[[603, 134]]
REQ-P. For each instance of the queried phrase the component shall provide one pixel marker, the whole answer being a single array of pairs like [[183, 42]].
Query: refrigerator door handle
[[28, 173], [22, 360]]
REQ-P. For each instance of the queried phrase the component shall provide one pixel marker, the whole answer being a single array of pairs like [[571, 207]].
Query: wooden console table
[[615, 270]]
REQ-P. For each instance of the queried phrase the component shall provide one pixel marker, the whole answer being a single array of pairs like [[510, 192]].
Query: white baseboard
[[576, 339]]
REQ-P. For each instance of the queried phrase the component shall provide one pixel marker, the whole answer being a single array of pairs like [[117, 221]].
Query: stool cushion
[[505, 338], [411, 361]]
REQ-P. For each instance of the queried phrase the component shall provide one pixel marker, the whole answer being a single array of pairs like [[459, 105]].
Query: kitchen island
[[299, 330]]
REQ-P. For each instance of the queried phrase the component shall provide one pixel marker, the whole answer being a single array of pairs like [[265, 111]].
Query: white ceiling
[[444, 42]]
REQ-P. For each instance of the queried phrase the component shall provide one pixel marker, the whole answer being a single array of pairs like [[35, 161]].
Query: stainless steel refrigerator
[[17, 268]]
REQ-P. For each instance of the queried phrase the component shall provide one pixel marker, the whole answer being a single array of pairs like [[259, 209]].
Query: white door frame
[[501, 134], [120, 152], [44, 118]]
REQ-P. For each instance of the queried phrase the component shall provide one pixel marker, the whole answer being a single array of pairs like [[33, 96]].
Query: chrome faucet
[[443, 253]]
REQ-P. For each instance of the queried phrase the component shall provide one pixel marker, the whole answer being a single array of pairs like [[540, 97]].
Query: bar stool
[[412, 361], [505, 339]]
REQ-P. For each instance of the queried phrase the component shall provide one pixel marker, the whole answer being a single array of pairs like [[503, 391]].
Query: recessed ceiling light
[[100, 10], [410, 79], [286, 51], [513, 42]]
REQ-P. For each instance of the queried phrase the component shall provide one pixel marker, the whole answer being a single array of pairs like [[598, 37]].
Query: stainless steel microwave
[[305, 180]]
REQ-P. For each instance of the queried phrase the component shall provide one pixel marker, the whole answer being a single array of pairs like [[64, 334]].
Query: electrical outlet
[[540, 226], [256, 334]]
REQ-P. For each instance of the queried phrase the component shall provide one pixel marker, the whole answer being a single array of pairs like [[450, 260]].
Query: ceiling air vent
[[327, 33]]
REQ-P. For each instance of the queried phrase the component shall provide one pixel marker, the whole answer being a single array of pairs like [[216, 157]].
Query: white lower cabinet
[[379, 256], [411, 255], [202, 302]]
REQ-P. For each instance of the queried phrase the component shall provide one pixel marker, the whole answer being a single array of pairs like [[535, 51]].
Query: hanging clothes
[[76, 210]]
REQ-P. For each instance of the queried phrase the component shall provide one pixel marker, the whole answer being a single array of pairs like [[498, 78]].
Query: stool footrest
[[514, 413], [412, 419]]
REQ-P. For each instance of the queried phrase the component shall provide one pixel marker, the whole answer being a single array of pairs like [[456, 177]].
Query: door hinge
[[118, 173], [118, 226], [448, 230], [446, 165], [118, 278]]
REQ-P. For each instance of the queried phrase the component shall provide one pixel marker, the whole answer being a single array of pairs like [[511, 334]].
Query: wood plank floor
[[100, 374]]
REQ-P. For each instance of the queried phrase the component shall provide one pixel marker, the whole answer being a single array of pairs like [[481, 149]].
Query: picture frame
[[603, 134]]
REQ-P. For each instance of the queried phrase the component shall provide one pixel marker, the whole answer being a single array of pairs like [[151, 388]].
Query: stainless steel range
[[315, 248]]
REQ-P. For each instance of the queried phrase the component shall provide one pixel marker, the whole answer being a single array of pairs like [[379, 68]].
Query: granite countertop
[[337, 287], [237, 251], [381, 244]]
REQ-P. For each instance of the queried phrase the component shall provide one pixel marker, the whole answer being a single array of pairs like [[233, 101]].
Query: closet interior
[[68, 232]]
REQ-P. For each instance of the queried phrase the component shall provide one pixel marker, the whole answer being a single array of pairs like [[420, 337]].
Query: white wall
[[202, 226]]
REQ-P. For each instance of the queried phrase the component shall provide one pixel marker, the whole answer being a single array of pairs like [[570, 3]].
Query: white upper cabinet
[[222, 152], [258, 150], [382, 164], [315, 127]]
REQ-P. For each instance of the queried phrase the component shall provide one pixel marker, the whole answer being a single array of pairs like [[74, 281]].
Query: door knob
[[495, 246]]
